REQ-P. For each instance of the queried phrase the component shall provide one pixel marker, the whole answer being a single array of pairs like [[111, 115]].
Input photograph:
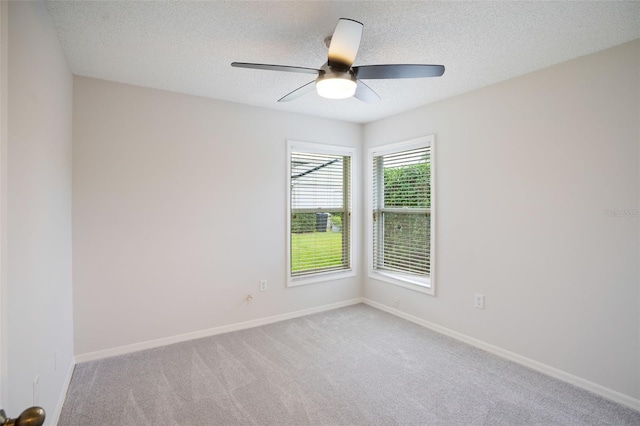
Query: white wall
[[4, 81], [526, 170], [36, 239], [179, 210]]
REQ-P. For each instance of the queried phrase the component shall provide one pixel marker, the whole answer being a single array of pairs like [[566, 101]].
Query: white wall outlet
[[36, 390], [478, 301], [264, 285], [396, 303]]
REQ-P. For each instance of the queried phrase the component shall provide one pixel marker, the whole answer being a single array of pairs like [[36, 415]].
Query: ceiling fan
[[338, 78]]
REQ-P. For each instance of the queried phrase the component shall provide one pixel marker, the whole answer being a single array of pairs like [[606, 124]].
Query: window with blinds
[[320, 220], [402, 212]]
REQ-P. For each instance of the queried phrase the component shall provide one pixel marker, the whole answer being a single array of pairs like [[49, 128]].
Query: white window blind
[[402, 213], [320, 194]]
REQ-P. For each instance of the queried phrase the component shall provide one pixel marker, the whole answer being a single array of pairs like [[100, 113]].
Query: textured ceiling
[[187, 47]]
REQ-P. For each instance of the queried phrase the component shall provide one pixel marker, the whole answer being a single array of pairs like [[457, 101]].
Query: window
[[402, 214], [319, 246]]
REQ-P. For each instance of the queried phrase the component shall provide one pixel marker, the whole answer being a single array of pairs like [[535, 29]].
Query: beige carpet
[[350, 366]]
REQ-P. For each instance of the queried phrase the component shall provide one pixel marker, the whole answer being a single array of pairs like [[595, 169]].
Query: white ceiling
[[187, 47]]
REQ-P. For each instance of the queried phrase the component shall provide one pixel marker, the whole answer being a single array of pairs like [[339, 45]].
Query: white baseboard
[[604, 392], [53, 420], [595, 388], [135, 347]]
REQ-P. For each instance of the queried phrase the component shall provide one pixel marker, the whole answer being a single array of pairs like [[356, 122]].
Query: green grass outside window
[[306, 246]]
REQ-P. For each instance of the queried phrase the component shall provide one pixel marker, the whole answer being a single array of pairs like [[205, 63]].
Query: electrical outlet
[[263, 285], [478, 301], [36, 390], [396, 303]]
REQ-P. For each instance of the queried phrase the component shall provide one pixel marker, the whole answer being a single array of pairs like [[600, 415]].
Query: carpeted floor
[[351, 366]]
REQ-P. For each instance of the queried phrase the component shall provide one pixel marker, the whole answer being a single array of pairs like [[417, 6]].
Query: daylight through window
[[320, 199], [402, 213]]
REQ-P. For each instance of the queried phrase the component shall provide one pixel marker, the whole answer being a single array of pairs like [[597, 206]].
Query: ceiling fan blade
[[366, 93], [275, 67], [345, 42], [302, 90], [398, 71]]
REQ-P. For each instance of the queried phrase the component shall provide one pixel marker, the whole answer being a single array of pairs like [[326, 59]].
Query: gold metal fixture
[[33, 416]]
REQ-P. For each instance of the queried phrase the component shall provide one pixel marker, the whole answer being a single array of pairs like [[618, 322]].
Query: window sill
[[421, 285], [320, 277]]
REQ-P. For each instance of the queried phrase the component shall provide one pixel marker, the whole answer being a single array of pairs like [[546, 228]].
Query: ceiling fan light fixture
[[337, 87]]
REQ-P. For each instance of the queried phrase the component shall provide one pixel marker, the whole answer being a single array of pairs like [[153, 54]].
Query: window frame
[[422, 285], [320, 276]]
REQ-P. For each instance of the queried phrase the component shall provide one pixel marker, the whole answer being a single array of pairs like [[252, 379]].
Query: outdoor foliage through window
[[402, 212]]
